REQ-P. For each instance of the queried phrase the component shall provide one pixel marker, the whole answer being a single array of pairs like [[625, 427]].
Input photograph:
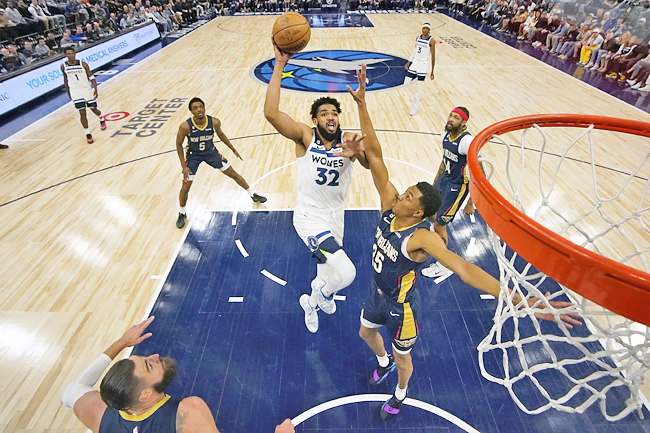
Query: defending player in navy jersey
[[403, 241], [78, 79], [452, 179], [418, 64], [199, 130], [323, 182], [132, 395]]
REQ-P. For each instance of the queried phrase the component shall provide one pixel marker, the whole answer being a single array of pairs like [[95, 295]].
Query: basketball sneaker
[[325, 303], [435, 270], [390, 408], [414, 109], [311, 314], [382, 373], [89, 138], [102, 125], [258, 198], [180, 222]]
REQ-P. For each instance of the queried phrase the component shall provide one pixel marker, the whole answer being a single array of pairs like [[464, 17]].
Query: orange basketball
[[291, 32]]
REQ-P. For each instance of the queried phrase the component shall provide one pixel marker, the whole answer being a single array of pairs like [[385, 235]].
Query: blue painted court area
[[255, 363]]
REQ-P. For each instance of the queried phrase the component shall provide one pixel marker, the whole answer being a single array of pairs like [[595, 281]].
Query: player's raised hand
[[285, 427], [134, 335], [359, 95], [567, 319], [280, 56], [350, 147]]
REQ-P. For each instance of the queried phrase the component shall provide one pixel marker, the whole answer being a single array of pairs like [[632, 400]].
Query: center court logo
[[329, 71]]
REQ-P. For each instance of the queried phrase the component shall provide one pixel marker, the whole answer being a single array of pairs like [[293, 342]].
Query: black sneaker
[[102, 124], [4, 146], [390, 408], [382, 373], [180, 222], [258, 198], [89, 138]]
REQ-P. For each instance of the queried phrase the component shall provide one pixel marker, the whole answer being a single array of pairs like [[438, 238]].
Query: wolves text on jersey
[[327, 162], [385, 246]]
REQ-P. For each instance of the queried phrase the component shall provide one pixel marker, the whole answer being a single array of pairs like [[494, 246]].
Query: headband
[[427, 25], [461, 113]]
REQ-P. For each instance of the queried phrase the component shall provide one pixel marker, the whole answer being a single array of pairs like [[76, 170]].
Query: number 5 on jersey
[[377, 259]]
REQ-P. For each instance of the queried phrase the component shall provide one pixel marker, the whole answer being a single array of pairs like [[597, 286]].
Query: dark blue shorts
[[452, 197], [401, 320], [211, 157]]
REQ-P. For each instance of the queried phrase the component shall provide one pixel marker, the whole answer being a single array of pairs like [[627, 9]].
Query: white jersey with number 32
[[323, 177]]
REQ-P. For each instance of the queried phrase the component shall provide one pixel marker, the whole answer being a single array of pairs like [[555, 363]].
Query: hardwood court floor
[[78, 259]]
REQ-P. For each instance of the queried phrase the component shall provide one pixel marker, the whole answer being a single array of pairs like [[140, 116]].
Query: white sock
[[418, 97], [409, 85], [250, 191], [400, 393], [182, 210], [383, 360], [87, 130]]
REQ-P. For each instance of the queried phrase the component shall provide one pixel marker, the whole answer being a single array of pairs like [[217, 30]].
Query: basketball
[[291, 32]]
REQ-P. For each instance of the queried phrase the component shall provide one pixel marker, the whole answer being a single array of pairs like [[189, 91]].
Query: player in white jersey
[[323, 182], [416, 67], [78, 79]]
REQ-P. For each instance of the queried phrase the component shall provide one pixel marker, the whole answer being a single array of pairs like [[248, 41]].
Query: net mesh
[[578, 192]]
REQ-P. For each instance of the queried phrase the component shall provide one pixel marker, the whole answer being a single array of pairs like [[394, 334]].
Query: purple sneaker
[[382, 373], [390, 408]]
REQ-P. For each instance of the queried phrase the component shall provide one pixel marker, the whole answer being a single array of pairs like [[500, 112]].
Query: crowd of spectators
[[602, 36], [43, 28]]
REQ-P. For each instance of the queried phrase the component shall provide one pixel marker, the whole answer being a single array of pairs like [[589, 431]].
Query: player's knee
[[342, 264]]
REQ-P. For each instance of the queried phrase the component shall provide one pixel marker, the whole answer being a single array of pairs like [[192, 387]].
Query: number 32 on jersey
[[324, 176]]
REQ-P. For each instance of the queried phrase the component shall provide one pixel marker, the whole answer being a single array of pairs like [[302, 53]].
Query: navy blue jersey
[[200, 140], [395, 272], [161, 418], [454, 156]]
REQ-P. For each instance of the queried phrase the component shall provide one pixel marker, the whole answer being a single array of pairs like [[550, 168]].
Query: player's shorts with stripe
[[401, 320], [452, 197], [82, 98], [418, 69], [317, 225], [211, 157]]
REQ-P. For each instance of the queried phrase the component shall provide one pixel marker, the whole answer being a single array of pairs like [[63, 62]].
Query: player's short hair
[[193, 100], [69, 49], [430, 199], [322, 101], [120, 387]]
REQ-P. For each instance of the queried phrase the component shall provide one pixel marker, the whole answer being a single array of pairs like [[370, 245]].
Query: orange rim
[[615, 286]]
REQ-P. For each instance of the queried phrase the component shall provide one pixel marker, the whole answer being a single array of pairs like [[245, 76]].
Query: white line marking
[[487, 297], [234, 218], [270, 276], [442, 278], [242, 250], [362, 398], [410, 165], [339, 298], [472, 218], [32, 139], [236, 299], [157, 277], [472, 242]]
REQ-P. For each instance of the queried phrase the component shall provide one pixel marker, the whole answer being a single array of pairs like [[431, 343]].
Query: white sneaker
[[636, 86], [311, 315], [327, 305], [589, 65], [414, 110], [630, 82], [435, 270]]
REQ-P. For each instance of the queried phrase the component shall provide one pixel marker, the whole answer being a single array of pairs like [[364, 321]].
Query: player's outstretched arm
[[476, 277], [80, 394], [216, 123], [282, 122], [373, 154]]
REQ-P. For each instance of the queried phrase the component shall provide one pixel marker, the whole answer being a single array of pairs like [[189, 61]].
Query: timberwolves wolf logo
[[330, 71]]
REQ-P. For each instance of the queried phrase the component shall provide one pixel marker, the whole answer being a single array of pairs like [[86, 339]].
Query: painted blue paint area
[[330, 71], [255, 363], [338, 20], [638, 99]]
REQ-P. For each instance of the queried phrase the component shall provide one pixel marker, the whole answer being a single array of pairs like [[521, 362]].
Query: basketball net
[[543, 364]]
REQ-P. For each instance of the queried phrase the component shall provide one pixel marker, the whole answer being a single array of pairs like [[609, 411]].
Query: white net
[[583, 189]]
